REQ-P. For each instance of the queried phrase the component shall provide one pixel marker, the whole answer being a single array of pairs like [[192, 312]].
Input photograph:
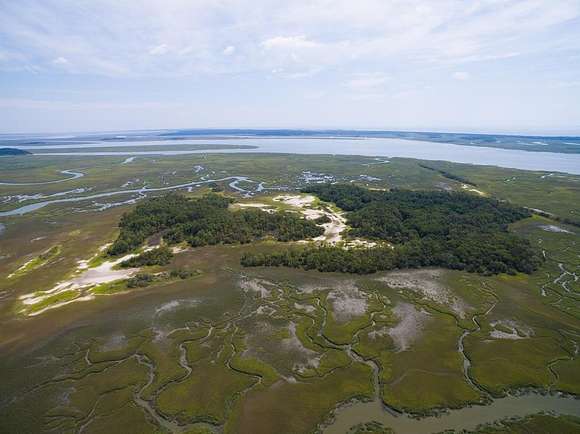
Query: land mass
[[125, 302], [13, 151]]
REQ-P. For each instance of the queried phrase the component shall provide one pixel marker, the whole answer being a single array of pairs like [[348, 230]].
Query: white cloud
[[159, 50], [229, 50], [54, 105], [461, 75], [366, 81], [289, 43], [60, 61], [110, 37], [567, 84]]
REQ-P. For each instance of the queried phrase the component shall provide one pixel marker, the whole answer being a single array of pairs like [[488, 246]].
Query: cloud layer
[[444, 64], [181, 37]]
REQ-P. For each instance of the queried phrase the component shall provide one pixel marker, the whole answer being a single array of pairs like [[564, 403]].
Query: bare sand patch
[[333, 229], [358, 243], [554, 228], [61, 304], [312, 214], [85, 279], [296, 200], [262, 206], [473, 190]]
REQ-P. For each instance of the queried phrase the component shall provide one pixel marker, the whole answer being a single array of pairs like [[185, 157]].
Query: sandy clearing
[[88, 277], [411, 323], [333, 229], [180, 249], [57, 305], [253, 205], [262, 206], [359, 243], [474, 190], [554, 228], [297, 201], [312, 214]]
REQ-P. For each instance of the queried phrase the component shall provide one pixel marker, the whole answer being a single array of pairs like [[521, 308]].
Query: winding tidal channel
[[73, 175], [140, 191], [463, 419]]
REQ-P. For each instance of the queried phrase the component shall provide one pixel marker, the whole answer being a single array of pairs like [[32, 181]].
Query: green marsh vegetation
[[159, 256], [37, 262]]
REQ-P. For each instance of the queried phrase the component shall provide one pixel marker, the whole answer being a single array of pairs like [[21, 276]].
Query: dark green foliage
[[206, 221], [159, 256], [141, 280], [450, 175], [378, 220], [322, 219], [373, 427], [346, 196], [182, 273], [326, 259], [451, 230], [215, 187], [13, 151]]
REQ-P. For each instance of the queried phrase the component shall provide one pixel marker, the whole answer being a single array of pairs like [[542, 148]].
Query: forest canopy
[[425, 228], [206, 221]]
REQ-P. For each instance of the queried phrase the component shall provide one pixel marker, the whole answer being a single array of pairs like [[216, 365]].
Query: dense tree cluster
[[449, 175], [452, 230], [206, 221], [140, 280], [325, 258], [159, 256]]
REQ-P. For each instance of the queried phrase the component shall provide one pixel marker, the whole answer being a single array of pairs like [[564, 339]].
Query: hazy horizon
[[544, 133]]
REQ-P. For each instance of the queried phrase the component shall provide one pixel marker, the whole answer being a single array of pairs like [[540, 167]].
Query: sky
[[437, 65]]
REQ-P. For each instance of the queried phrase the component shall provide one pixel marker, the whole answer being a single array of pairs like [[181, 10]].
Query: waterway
[[376, 147], [467, 418]]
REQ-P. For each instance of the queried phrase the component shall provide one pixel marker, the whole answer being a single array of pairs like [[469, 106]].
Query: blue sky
[[449, 65]]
